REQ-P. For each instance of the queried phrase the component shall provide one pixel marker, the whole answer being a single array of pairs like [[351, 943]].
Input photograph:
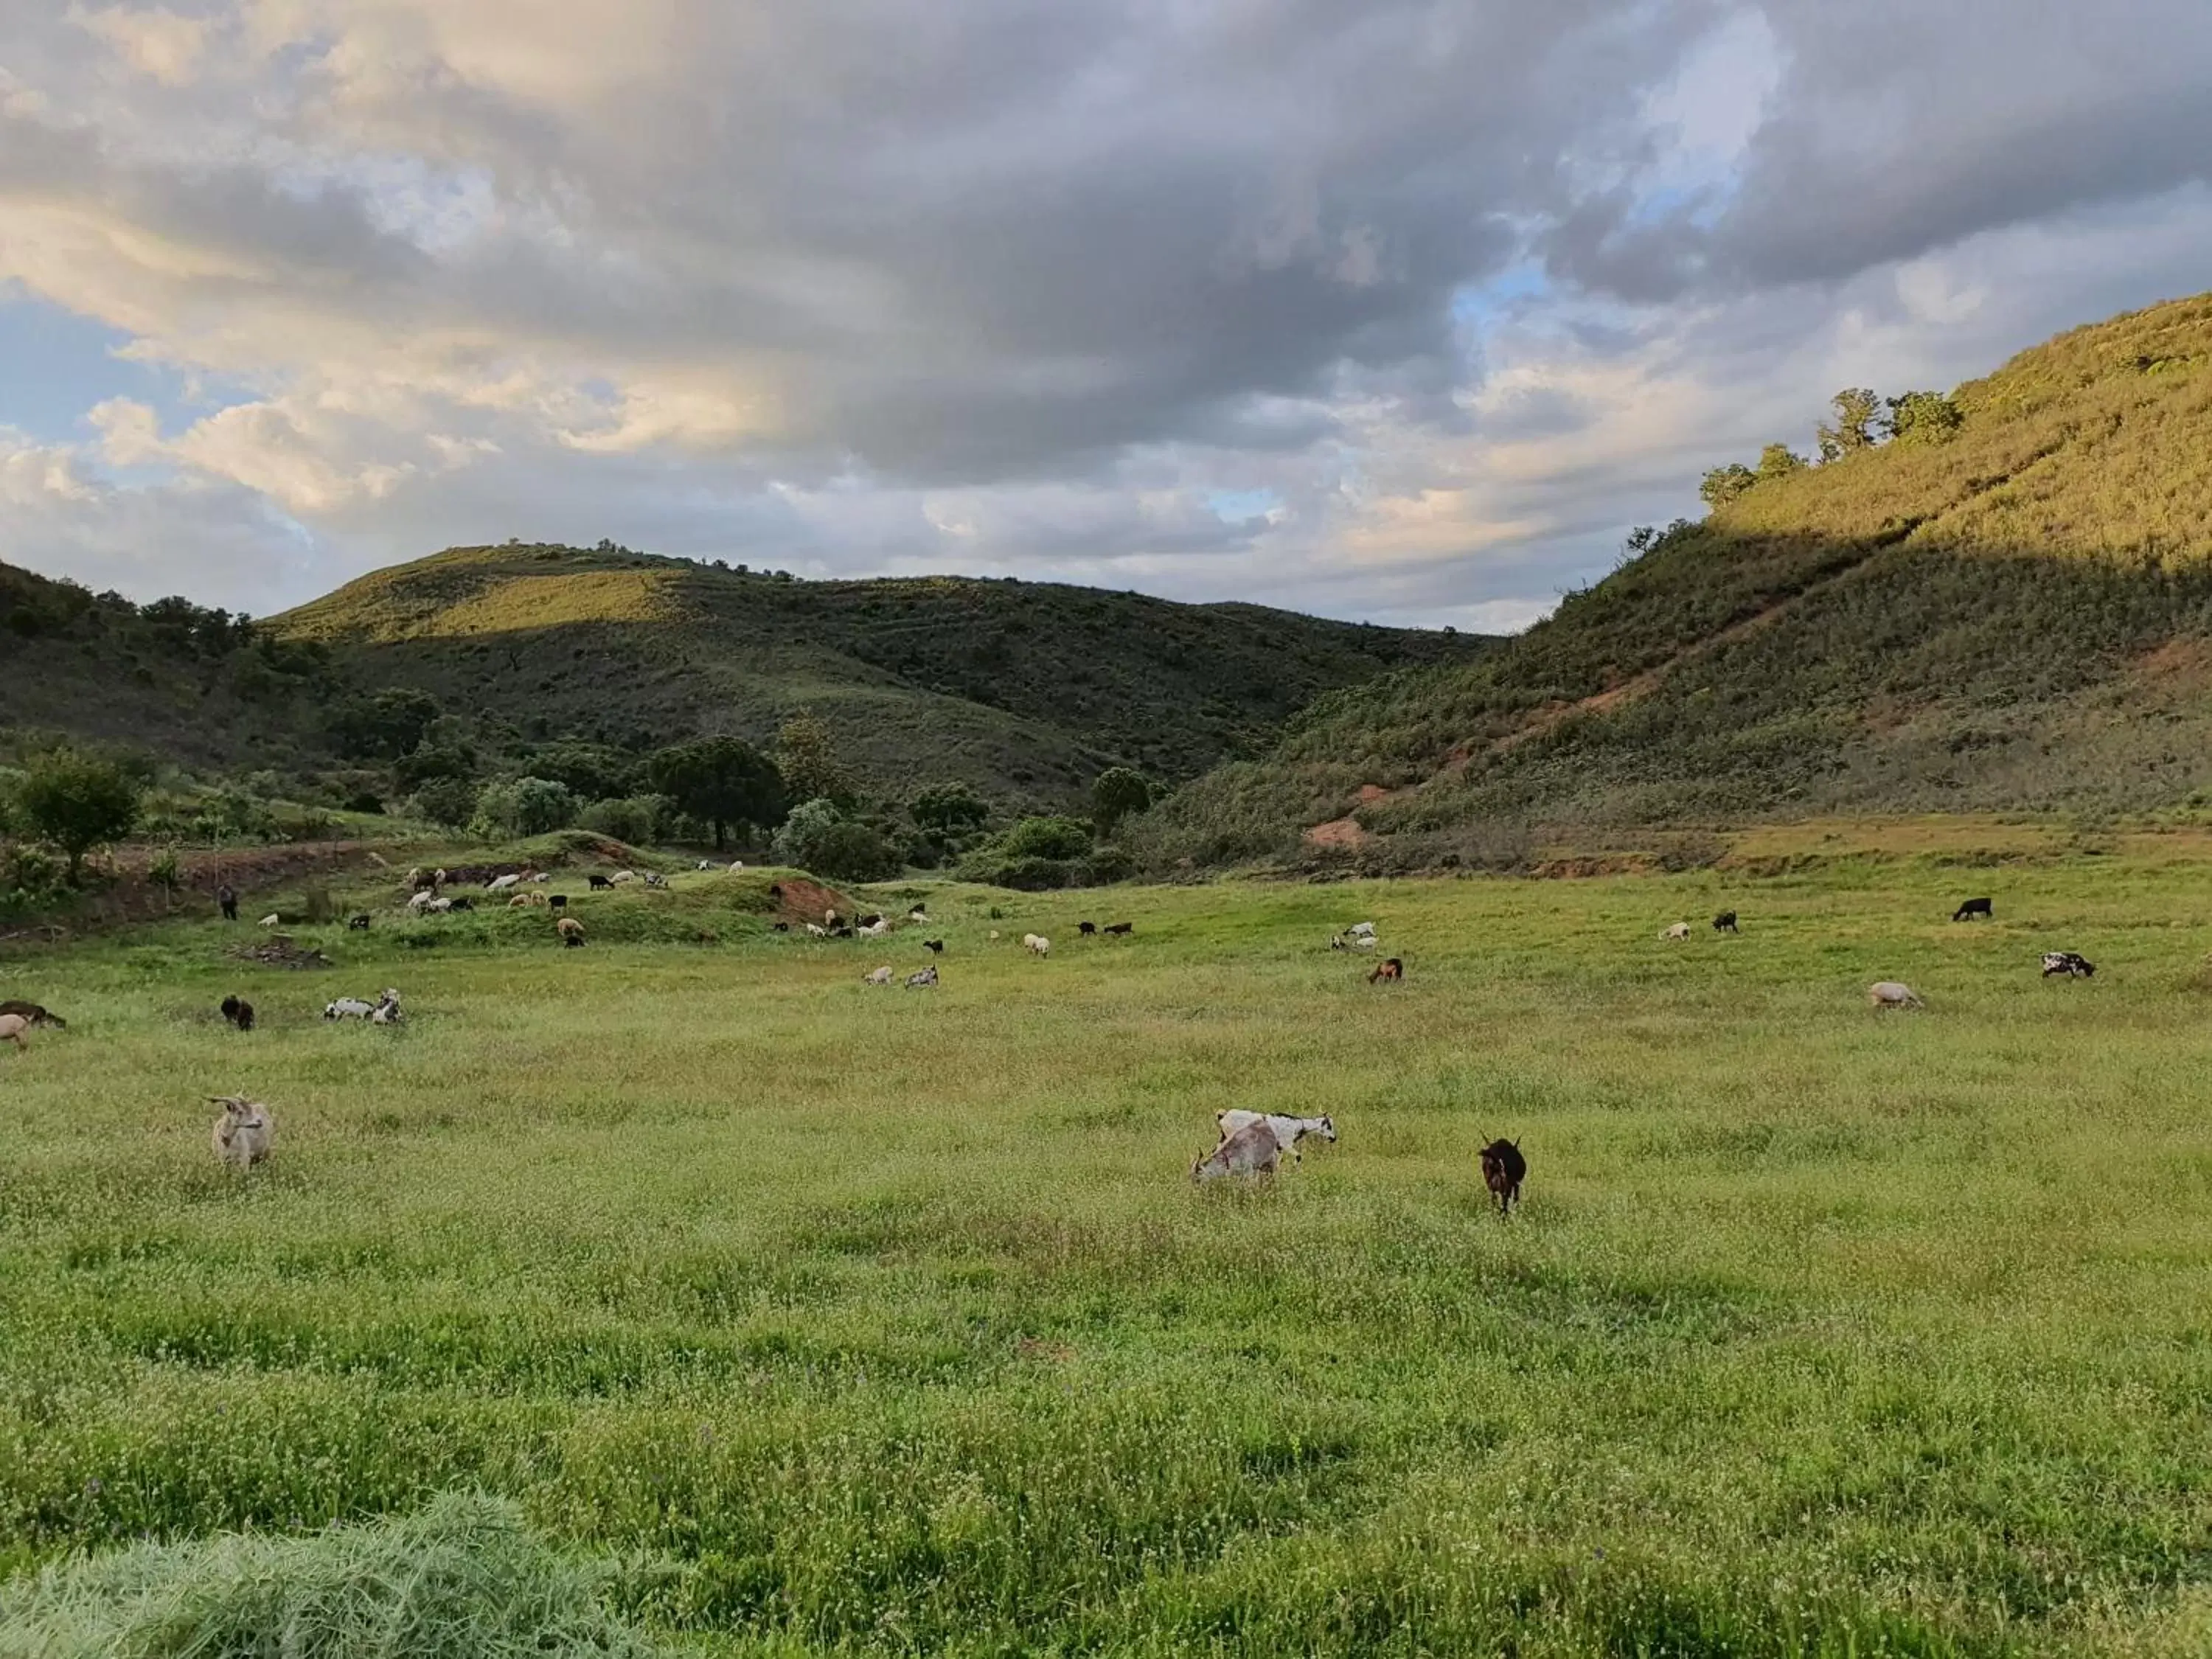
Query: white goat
[[242, 1133], [422, 901], [1360, 930], [817, 930], [1036, 944], [1352, 942], [349, 1008], [876, 929], [273, 919], [1680, 930], [386, 1012], [501, 883], [927, 976], [1252, 1151], [1288, 1131], [620, 876], [879, 977], [1889, 993]]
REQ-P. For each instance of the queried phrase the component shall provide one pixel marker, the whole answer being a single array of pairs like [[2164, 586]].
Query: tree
[[1778, 461], [1046, 838], [385, 725], [592, 771], [525, 806], [1858, 424], [1724, 484], [722, 780], [449, 801], [819, 838], [1116, 793], [948, 809], [1923, 417], [807, 755], [78, 802]]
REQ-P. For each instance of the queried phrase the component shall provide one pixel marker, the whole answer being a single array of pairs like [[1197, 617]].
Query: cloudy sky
[[1398, 311]]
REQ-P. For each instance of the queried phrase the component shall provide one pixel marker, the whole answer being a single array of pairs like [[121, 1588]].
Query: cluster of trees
[[1860, 420]]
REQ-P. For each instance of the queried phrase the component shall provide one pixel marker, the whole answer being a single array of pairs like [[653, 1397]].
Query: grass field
[[833, 1318]]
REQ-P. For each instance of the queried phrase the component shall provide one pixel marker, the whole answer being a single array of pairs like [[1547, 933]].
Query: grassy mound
[[464, 1579]]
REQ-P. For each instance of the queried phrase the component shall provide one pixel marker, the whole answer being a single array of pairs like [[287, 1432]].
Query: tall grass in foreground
[[845, 1320]]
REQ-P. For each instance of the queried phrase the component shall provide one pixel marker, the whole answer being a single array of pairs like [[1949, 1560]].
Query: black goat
[[1974, 907], [1503, 1169], [1725, 922], [239, 1013]]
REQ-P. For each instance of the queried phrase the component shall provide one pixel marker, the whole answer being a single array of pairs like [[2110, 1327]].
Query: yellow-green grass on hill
[[845, 1319]]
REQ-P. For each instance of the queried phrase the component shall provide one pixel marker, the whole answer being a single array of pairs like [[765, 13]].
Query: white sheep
[[1352, 942], [737, 866], [1252, 1151], [242, 1133], [1890, 994], [12, 1027], [273, 919], [1288, 1131], [1036, 944], [422, 901], [501, 883], [1680, 930], [879, 977], [705, 863], [620, 876]]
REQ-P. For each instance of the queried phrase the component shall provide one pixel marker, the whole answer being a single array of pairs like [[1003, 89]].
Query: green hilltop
[[2007, 606]]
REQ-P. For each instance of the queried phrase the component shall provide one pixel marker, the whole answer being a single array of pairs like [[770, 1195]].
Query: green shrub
[[524, 806], [1046, 838], [637, 819]]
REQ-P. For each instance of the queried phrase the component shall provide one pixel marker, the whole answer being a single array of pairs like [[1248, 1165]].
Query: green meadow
[[815, 1317]]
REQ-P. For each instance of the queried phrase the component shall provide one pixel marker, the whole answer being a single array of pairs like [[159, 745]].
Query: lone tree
[[723, 780], [1116, 793], [948, 809], [78, 802], [806, 757], [1724, 484], [1858, 424]]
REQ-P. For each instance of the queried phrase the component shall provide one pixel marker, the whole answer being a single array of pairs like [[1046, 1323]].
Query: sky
[[1393, 311]]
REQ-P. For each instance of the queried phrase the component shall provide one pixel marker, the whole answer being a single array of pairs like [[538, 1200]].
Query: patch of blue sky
[[1241, 505], [56, 365]]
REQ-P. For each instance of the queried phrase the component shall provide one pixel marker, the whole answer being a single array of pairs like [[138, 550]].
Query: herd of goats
[[1251, 1144]]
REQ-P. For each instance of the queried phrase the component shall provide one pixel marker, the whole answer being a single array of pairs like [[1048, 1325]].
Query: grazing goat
[[705, 863], [386, 1012], [1288, 1131], [620, 876], [867, 921], [817, 930], [737, 866], [243, 1132], [455, 904], [920, 913], [423, 899], [501, 883], [1503, 1169], [359, 924], [781, 927], [1119, 927], [1889, 993], [273, 919], [12, 1027], [876, 928], [1725, 922], [226, 900], [1972, 907], [35, 1014], [882, 975], [239, 1012], [571, 931], [600, 883], [1252, 1151], [556, 901], [1352, 941], [653, 880], [934, 946], [927, 977], [1360, 930], [1036, 944], [2071, 963], [1680, 930], [1388, 969], [356, 1008], [1085, 929]]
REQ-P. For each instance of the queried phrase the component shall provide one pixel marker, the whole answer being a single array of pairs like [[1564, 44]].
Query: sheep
[[1036, 944], [423, 899], [501, 883], [12, 1027], [1253, 1151], [1388, 969], [1352, 942], [1288, 1131], [528, 901], [556, 901], [817, 930], [598, 883], [1680, 929], [1120, 927], [1503, 1169], [242, 1134], [879, 977], [273, 919], [571, 931], [921, 981], [239, 1012], [934, 946], [1085, 929], [349, 1008], [620, 876], [359, 924], [2071, 963], [705, 863], [226, 900], [876, 929], [35, 1014], [1889, 993], [920, 913]]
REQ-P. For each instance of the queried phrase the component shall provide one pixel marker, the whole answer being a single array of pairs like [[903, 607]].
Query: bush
[[446, 800], [78, 802], [636, 819], [855, 852], [1046, 838], [524, 806]]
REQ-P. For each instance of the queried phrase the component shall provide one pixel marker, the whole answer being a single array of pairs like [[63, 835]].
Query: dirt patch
[[247, 868], [2184, 664], [281, 952], [1372, 793], [800, 898], [1337, 832]]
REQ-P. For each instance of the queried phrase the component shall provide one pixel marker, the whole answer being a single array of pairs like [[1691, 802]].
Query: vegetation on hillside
[[2000, 599]]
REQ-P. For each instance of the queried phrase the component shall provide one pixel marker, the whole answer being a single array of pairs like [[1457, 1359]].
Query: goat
[[556, 901], [1725, 922], [349, 1008], [1388, 969], [600, 883], [737, 866], [501, 883], [239, 1012], [1085, 929], [934, 946], [653, 880], [877, 977], [226, 900], [1119, 927], [273, 919], [386, 1012], [620, 876], [1972, 907], [705, 863], [1352, 941], [422, 902], [12, 1027], [876, 928], [1503, 1169], [927, 977], [571, 931], [868, 920], [1889, 993], [1288, 1131], [920, 913], [242, 1134], [358, 924], [1252, 1151], [35, 1014], [1680, 930], [780, 927], [1360, 930], [455, 904], [2071, 963], [817, 930], [1036, 944]]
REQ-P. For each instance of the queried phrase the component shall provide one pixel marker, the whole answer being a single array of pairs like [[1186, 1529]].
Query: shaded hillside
[[2015, 616], [1024, 689], [191, 685]]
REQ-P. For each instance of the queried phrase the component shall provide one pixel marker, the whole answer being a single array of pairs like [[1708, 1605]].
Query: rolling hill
[[2014, 613], [1023, 690]]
